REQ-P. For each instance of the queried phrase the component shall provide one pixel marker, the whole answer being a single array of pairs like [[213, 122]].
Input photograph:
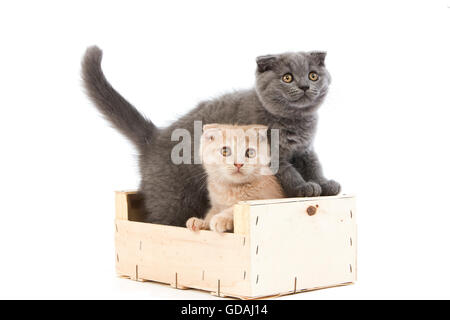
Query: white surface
[[383, 132]]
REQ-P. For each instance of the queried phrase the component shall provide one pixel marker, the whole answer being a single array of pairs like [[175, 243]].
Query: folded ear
[[261, 132], [318, 57], [265, 62], [210, 126], [211, 131]]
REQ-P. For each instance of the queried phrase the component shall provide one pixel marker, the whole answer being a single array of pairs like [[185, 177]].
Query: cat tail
[[119, 112]]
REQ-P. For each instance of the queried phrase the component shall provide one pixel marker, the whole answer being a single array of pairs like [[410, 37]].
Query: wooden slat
[[241, 219], [293, 250], [184, 258], [129, 206], [299, 199], [278, 247], [122, 205]]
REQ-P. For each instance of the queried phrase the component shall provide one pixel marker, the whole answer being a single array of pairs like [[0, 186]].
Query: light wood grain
[[294, 251], [241, 219], [122, 205], [278, 247], [183, 258]]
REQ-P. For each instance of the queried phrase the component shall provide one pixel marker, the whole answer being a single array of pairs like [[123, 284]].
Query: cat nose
[[238, 165], [304, 88]]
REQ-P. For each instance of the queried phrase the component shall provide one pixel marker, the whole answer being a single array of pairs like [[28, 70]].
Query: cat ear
[[265, 62], [210, 131], [318, 57], [210, 126], [262, 133]]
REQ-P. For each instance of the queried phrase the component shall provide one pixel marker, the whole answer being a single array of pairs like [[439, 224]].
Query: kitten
[[289, 89], [236, 160]]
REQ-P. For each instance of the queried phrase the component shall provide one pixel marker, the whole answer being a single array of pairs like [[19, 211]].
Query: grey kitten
[[290, 87]]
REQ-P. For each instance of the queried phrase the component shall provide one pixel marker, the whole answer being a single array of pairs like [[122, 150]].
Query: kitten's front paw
[[195, 224], [221, 223], [330, 188], [309, 189]]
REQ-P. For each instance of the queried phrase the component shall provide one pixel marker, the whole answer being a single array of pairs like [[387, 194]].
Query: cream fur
[[226, 184]]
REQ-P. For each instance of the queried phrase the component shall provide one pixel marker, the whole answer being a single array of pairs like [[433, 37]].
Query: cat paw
[[220, 223], [309, 189], [195, 224], [330, 188]]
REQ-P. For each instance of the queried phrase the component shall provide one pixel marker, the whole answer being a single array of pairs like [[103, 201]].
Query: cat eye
[[313, 76], [226, 152], [288, 78], [250, 153]]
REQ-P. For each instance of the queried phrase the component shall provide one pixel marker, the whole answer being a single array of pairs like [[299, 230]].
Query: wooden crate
[[278, 247]]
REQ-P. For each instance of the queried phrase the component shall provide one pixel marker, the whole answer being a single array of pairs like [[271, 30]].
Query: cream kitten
[[236, 160]]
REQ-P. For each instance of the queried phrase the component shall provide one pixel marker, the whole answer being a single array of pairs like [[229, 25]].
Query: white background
[[383, 132]]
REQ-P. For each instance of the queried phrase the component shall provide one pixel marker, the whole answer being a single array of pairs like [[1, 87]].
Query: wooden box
[[278, 247]]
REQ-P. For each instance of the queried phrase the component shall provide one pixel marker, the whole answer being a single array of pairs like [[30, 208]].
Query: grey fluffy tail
[[123, 116]]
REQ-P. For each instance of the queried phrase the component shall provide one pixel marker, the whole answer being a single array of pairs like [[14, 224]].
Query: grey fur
[[174, 193]]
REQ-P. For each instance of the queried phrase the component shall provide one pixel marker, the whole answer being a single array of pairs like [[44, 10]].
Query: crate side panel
[[203, 260], [127, 257], [293, 250], [297, 199]]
